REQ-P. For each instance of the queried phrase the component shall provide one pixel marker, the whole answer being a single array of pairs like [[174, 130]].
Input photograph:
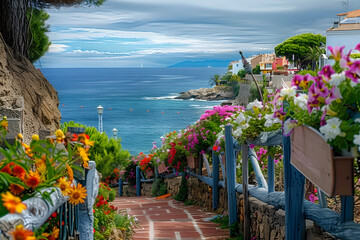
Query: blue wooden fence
[[297, 209]]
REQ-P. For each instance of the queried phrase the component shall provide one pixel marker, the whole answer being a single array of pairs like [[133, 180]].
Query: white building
[[345, 32], [236, 67]]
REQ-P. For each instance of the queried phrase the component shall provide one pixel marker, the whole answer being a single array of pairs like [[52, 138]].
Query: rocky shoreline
[[208, 94]]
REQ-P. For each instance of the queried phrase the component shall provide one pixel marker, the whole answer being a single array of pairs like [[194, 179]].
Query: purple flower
[[357, 47], [313, 198], [313, 98], [336, 52], [296, 80], [327, 71], [333, 95], [322, 119], [345, 61], [251, 146], [354, 72]]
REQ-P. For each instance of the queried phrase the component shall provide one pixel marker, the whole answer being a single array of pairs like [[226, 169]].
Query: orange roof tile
[[351, 14]]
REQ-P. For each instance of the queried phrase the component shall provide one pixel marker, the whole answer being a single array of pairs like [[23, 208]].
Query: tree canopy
[[38, 40], [300, 46], [14, 23], [65, 3]]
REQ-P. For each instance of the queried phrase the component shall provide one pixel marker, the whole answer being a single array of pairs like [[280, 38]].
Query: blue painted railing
[[297, 209]]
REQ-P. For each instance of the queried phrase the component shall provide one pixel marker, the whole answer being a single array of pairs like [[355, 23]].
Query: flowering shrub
[[130, 172], [107, 220], [26, 169], [328, 102]]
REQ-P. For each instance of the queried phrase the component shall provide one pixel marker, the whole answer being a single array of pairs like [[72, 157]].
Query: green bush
[[256, 70], [183, 191], [241, 73], [254, 92], [304, 72], [355, 55], [158, 188], [107, 153]]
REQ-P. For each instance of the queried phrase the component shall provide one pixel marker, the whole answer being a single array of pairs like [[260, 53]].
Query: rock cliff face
[[217, 93], [24, 88]]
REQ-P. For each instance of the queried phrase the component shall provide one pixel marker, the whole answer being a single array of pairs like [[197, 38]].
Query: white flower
[[237, 133], [240, 118], [291, 92], [289, 124], [337, 79], [255, 103], [301, 101], [270, 120], [228, 119], [357, 140], [332, 128], [357, 120]]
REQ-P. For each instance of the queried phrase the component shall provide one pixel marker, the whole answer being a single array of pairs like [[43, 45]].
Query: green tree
[[299, 46], [241, 73], [314, 55], [214, 80], [14, 24], [256, 70], [38, 41]]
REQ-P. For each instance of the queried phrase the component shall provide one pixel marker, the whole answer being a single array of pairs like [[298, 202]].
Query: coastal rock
[[217, 93], [24, 88]]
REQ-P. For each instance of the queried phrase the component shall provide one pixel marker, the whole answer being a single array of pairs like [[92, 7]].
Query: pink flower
[[327, 71], [333, 95], [336, 52], [313, 198], [296, 80], [357, 47], [251, 146]]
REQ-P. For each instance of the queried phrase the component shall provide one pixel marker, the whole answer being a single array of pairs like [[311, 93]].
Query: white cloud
[[57, 48]]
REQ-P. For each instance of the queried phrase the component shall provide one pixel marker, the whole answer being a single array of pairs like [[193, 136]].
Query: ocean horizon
[[139, 102]]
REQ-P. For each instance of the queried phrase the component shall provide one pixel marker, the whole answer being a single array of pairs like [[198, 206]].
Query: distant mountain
[[203, 63]]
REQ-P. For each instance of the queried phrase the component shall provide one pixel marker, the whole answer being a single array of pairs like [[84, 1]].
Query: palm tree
[[214, 80], [314, 55]]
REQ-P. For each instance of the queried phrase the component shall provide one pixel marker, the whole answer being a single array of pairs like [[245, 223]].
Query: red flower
[[93, 230], [6, 169], [19, 172], [54, 214], [215, 148]]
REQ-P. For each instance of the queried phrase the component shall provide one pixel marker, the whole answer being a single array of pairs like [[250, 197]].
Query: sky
[[160, 33]]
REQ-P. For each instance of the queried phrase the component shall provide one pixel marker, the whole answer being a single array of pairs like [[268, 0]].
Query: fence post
[[347, 208], [200, 164], [294, 197], [138, 184], [245, 184], [215, 175], [271, 174], [231, 173], [120, 187]]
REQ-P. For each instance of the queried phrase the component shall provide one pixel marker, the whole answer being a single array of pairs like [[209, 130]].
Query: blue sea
[[138, 102]]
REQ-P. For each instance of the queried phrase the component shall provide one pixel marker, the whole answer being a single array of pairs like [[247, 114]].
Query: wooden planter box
[[314, 158], [192, 162], [161, 168]]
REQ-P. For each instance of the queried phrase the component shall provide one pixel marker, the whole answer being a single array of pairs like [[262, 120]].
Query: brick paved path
[[167, 219]]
